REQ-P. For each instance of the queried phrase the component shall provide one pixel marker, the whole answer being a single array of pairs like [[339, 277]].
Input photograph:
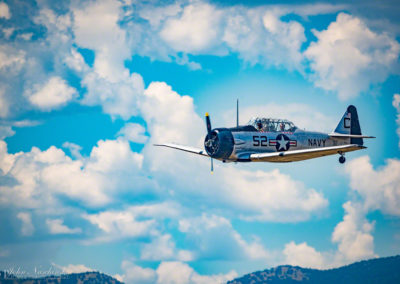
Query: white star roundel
[[282, 143]]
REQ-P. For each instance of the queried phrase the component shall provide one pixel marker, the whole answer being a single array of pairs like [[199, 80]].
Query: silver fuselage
[[249, 142]]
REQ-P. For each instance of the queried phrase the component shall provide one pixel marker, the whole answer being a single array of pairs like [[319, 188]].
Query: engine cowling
[[219, 143]]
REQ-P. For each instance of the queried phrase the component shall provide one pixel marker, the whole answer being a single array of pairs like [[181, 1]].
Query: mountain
[[82, 278], [378, 270]]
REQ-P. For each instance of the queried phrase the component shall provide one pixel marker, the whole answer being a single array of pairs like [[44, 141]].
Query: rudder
[[355, 125]]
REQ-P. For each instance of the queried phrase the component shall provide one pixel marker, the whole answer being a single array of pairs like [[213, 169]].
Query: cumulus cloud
[[54, 94], [173, 272], [11, 58], [75, 61], [348, 57], [135, 221], [4, 11], [259, 36], [6, 131], [303, 255], [353, 235], [73, 268], [286, 200], [164, 248], [56, 226], [137, 274], [134, 132], [27, 227], [379, 189], [193, 31], [396, 105], [118, 99], [178, 272], [213, 237], [96, 27], [42, 177]]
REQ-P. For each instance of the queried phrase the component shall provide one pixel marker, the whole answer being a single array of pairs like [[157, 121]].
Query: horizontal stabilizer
[[340, 135], [189, 149]]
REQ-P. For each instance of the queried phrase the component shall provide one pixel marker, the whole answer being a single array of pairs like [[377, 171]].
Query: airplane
[[277, 140]]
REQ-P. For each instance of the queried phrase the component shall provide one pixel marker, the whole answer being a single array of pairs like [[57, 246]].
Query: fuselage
[[247, 140]]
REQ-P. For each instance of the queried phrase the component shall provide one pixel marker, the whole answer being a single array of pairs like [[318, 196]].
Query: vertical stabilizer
[[349, 124]]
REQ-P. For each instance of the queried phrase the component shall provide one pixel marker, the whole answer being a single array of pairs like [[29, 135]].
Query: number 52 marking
[[260, 141]]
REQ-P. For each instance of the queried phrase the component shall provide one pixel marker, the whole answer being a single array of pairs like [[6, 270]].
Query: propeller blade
[[212, 166], [208, 122]]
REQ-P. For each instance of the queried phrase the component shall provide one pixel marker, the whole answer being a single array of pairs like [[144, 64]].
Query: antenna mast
[[237, 112]]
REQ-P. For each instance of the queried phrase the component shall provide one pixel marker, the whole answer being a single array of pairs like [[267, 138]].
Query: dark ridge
[[82, 278], [378, 270]]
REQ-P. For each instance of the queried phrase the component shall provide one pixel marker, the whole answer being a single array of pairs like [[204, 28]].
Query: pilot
[[259, 125], [282, 126]]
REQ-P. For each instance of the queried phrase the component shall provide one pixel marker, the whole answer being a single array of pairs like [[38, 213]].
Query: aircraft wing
[[299, 155], [189, 149]]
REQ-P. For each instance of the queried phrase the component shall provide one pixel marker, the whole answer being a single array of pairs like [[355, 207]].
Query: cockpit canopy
[[272, 124]]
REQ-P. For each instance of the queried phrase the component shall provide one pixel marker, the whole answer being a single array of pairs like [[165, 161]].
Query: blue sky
[[86, 88]]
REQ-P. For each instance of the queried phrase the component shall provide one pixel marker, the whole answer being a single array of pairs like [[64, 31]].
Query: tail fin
[[349, 124]]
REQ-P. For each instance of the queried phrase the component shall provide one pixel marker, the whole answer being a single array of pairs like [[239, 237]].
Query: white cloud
[[6, 131], [259, 36], [133, 222], [4, 11], [164, 123], [96, 27], [134, 132], [379, 189], [41, 177], [348, 57], [396, 105], [137, 274], [180, 273], [196, 30], [286, 200], [74, 149], [75, 61], [11, 57], [353, 235], [26, 36], [4, 104], [56, 226], [73, 268], [119, 99], [27, 227], [117, 225], [171, 272], [163, 248], [8, 32], [303, 255], [213, 237], [54, 94]]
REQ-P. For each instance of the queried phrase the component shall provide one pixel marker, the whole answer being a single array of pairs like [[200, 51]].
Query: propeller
[[208, 123]]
